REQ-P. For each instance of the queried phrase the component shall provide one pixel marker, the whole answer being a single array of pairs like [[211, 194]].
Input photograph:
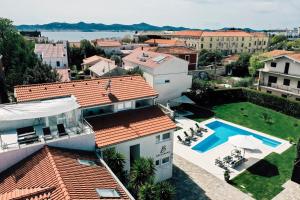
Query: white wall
[[150, 149], [293, 70], [174, 70]]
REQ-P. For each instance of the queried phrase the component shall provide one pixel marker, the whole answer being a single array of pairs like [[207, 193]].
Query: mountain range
[[89, 27]]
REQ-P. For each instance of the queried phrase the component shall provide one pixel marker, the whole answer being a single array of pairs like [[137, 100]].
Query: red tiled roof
[[108, 43], [275, 53], [147, 58], [64, 74], [89, 92], [173, 50], [188, 33], [295, 56], [165, 42], [56, 174], [128, 125]]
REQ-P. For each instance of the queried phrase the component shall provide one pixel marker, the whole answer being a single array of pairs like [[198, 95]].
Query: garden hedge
[[233, 95]]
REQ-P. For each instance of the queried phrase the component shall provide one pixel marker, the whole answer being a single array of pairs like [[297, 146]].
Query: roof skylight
[[107, 193], [87, 162]]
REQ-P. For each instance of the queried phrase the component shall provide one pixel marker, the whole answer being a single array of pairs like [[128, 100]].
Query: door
[[134, 153], [287, 67]]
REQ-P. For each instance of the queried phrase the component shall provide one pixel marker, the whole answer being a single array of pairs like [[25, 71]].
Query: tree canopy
[[209, 57], [256, 62], [21, 65]]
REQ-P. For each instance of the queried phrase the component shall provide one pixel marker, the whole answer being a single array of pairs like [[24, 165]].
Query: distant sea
[[77, 36]]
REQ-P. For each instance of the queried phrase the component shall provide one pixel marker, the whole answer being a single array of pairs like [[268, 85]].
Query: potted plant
[[227, 175]]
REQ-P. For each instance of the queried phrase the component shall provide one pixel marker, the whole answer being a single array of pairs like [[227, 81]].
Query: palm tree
[[164, 190], [147, 192], [115, 161], [142, 171]]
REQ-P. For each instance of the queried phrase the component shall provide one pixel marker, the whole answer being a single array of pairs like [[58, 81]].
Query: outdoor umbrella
[[245, 142]]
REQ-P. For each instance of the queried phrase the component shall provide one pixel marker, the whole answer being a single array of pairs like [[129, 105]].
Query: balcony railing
[[281, 87]]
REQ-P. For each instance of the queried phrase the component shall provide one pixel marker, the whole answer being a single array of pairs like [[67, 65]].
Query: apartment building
[[55, 55], [108, 46], [118, 112], [230, 42], [281, 76], [167, 74]]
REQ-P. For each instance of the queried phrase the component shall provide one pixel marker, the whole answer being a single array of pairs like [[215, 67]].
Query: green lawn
[[263, 180]]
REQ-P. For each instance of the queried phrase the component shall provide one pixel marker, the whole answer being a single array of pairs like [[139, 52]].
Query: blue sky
[[258, 14]]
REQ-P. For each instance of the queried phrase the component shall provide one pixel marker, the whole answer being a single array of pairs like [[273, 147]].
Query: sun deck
[[9, 138]]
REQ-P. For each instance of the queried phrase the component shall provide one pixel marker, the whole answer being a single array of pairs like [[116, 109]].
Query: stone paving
[[194, 183], [291, 192]]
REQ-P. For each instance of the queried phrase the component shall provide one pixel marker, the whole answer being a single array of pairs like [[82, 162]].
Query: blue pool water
[[221, 134]]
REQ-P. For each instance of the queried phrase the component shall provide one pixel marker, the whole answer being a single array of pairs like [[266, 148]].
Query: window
[[286, 68], [210, 45], [127, 104], [202, 39], [157, 139], [211, 39], [284, 95], [86, 162], [57, 63], [272, 79], [201, 46], [107, 193], [120, 106], [286, 82], [166, 136], [297, 99], [273, 64], [187, 58], [165, 160], [269, 92], [167, 81], [298, 86], [157, 162]]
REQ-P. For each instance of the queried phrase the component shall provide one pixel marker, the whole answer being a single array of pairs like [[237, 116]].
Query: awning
[[39, 109], [182, 99]]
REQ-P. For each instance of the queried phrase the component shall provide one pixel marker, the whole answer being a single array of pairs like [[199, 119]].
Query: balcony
[[282, 88], [10, 140]]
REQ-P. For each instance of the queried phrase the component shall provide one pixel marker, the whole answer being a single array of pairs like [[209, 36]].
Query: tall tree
[[19, 59], [115, 161]]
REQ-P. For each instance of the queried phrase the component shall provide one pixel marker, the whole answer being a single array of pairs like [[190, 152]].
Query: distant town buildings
[[281, 74], [109, 46], [55, 54], [167, 74], [230, 42], [291, 34], [164, 42]]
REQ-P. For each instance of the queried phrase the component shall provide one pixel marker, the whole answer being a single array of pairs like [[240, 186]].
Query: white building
[[55, 55], [281, 76], [167, 74], [119, 112]]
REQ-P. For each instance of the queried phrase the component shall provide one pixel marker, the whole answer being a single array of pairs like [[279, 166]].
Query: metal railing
[[167, 110], [83, 128], [281, 87]]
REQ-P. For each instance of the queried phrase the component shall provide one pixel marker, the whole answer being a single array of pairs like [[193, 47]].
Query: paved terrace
[[194, 183]]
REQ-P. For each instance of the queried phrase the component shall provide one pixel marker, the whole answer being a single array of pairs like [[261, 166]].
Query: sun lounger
[[190, 137], [61, 130], [27, 135], [47, 133], [185, 142]]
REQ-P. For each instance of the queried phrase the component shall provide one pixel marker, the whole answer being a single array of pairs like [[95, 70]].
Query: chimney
[[142, 48]]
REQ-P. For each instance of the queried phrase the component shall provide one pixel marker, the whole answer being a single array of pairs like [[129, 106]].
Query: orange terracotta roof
[[94, 59], [295, 56], [165, 42], [147, 58], [190, 33], [225, 34], [55, 174], [276, 53], [108, 43], [37, 193], [129, 125], [89, 92], [173, 50]]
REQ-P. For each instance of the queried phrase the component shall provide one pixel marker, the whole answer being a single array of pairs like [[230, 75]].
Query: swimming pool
[[223, 131]]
